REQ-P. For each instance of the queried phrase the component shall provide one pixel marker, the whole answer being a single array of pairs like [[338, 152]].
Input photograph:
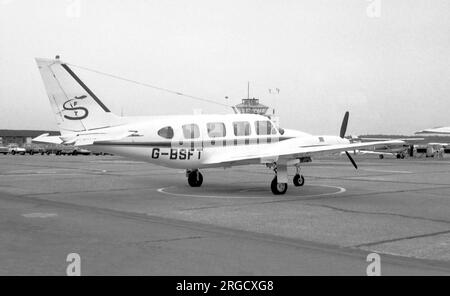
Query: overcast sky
[[387, 62]]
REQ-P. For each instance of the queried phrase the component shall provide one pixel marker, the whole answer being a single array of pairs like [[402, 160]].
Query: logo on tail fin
[[79, 112]]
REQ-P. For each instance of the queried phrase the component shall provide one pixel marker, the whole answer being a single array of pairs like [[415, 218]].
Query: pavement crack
[[85, 191], [400, 239], [379, 213], [382, 192], [170, 239]]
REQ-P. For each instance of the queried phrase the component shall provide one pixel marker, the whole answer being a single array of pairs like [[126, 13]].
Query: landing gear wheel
[[381, 156], [278, 188], [299, 180], [195, 179]]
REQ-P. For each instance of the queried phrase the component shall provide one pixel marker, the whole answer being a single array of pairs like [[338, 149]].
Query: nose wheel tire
[[299, 180], [278, 188], [195, 179]]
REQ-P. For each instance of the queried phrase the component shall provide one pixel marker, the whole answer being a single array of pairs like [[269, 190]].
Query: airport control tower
[[253, 106]]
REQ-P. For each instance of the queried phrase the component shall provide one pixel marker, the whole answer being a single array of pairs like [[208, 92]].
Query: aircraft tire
[[278, 188], [195, 181], [299, 180]]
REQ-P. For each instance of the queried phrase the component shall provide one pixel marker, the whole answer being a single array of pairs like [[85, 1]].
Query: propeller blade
[[351, 159], [344, 125]]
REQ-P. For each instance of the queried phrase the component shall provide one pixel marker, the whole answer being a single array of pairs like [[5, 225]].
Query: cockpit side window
[[216, 129], [241, 128], [166, 132], [264, 127], [191, 131]]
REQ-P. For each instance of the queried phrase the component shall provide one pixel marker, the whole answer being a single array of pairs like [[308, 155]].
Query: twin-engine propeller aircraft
[[190, 142]]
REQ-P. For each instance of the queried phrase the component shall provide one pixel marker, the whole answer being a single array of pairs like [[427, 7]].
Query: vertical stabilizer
[[75, 106]]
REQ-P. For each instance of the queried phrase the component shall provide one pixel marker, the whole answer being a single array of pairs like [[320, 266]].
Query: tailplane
[[76, 107]]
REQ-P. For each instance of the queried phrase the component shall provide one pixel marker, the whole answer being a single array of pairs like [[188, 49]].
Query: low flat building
[[21, 137]]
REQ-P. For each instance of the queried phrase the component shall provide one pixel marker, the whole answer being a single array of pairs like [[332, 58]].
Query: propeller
[[344, 125], [342, 135]]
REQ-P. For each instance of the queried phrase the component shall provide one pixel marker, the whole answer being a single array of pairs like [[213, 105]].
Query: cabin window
[[241, 128], [191, 131], [216, 129], [166, 132], [264, 127]]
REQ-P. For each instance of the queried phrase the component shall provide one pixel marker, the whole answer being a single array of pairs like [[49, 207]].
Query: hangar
[[21, 137]]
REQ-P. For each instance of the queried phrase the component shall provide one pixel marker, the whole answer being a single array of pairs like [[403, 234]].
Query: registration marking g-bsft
[[177, 154]]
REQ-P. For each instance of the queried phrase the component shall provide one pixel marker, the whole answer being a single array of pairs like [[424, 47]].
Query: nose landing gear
[[298, 180]]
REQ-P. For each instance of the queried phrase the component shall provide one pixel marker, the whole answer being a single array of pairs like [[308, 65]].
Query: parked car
[[33, 149], [81, 151], [72, 150], [4, 150], [49, 151], [15, 149], [101, 153]]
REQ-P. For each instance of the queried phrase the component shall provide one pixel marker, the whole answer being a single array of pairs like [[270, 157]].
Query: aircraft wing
[[362, 152], [288, 149], [388, 139]]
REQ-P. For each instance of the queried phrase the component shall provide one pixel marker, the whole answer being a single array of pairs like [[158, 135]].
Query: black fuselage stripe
[[85, 87], [205, 144]]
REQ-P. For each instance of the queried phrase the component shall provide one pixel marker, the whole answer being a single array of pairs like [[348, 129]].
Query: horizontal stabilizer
[[45, 138], [92, 138], [83, 139]]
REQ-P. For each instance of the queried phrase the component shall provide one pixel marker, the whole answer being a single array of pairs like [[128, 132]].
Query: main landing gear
[[195, 178], [278, 188], [279, 183]]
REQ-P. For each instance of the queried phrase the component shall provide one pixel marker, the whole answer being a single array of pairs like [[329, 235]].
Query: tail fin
[[75, 106]]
